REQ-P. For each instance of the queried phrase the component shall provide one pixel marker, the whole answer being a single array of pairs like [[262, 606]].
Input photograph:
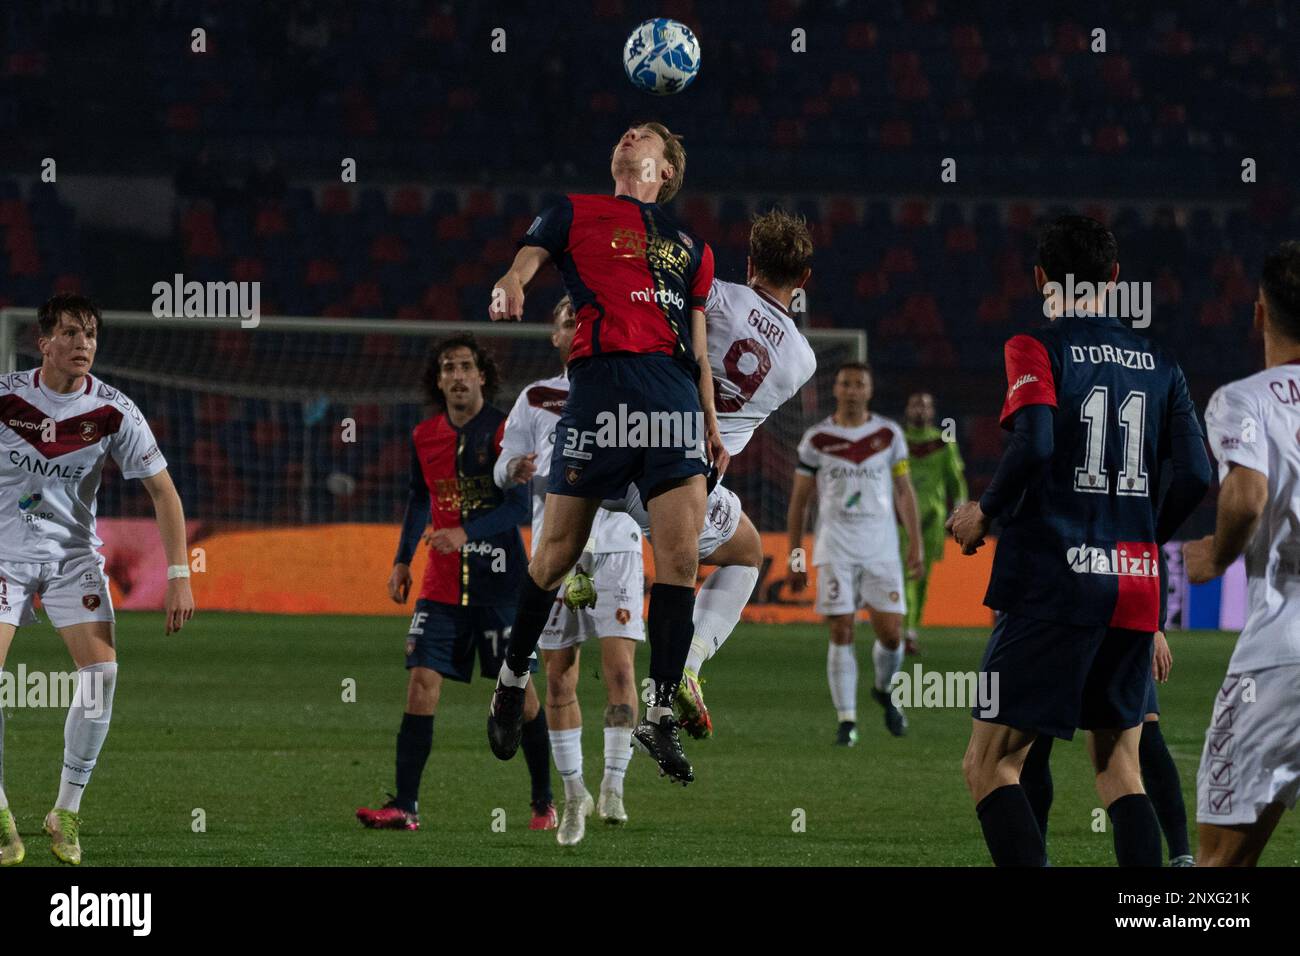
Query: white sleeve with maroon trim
[[1029, 377], [809, 457], [1237, 431], [133, 446], [517, 439]]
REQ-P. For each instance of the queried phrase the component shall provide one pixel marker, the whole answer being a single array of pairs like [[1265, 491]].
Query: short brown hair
[[76, 307], [780, 246], [558, 309], [674, 155]]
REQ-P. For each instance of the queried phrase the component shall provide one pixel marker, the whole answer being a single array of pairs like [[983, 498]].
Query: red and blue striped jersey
[[633, 271], [1080, 547], [451, 487]]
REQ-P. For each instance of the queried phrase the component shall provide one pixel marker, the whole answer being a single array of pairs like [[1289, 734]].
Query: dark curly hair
[[482, 359]]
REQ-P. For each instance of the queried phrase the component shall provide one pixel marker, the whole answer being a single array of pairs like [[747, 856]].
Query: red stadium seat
[[388, 248], [899, 259], [408, 201], [993, 310], [248, 269], [336, 200], [896, 134], [366, 298], [321, 272], [271, 221], [961, 239], [481, 204], [966, 37], [453, 227], [861, 36], [182, 117]]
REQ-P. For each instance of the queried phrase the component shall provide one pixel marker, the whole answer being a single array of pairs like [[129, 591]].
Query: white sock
[[566, 749], [618, 753], [842, 675], [722, 597], [510, 679], [699, 654], [4, 801], [85, 730], [886, 662]]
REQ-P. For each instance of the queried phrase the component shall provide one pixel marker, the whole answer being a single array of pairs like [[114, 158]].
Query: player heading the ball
[[638, 280]]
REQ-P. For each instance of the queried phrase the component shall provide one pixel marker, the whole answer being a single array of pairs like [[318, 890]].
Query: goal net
[[308, 420]]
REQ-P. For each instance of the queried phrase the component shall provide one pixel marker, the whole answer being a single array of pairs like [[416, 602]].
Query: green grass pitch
[[243, 718]]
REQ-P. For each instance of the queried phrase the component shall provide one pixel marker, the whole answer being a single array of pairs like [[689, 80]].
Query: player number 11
[[1092, 477]]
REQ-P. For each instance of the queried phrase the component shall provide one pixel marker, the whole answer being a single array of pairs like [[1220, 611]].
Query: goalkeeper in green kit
[[939, 478]]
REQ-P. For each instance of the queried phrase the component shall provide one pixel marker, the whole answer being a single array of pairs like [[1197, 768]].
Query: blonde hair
[[674, 156]]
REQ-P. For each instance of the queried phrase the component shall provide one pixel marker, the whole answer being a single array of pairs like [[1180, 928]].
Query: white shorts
[[843, 588], [73, 591], [1251, 756], [722, 513], [620, 592]]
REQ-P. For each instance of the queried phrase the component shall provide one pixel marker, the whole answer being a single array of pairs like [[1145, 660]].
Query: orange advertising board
[[343, 569]]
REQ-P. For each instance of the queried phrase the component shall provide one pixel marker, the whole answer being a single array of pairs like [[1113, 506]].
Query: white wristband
[[175, 571]]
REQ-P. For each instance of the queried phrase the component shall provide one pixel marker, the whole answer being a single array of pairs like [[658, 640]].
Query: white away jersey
[[531, 428], [53, 449], [855, 469], [1255, 423], [758, 356]]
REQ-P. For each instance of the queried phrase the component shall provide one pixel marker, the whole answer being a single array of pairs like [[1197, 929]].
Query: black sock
[[1036, 779], [414, 741], [537, 754], [534, 607], [1136, 829], [1010, 829], [1160, 776], [671, 629]]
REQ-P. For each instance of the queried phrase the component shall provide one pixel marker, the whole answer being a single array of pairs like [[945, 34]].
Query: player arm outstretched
[[170, 514], [800, 495], [1243, 496], [508, 293], [414, 522], [700, 344]]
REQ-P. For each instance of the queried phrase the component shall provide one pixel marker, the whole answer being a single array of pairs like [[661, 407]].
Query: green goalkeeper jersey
[[938, 476]]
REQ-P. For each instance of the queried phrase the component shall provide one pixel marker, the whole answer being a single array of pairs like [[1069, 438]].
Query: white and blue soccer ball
[[661, 57]]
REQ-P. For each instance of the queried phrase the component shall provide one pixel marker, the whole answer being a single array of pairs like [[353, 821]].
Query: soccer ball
[[661, 56]]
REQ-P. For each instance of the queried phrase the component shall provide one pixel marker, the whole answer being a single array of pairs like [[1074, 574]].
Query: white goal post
[[304, 420]]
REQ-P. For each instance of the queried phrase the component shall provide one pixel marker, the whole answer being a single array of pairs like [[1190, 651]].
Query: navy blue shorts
[[1152, 705], [445, 638], [1053, 678], [629, 419]]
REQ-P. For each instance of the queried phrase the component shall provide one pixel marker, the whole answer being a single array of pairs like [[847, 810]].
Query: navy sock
[[1160, 777], [1136, 829], [414, 741], [534, 607], [1010, 829], [670, 629], [1036, 779], [537, 754]]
